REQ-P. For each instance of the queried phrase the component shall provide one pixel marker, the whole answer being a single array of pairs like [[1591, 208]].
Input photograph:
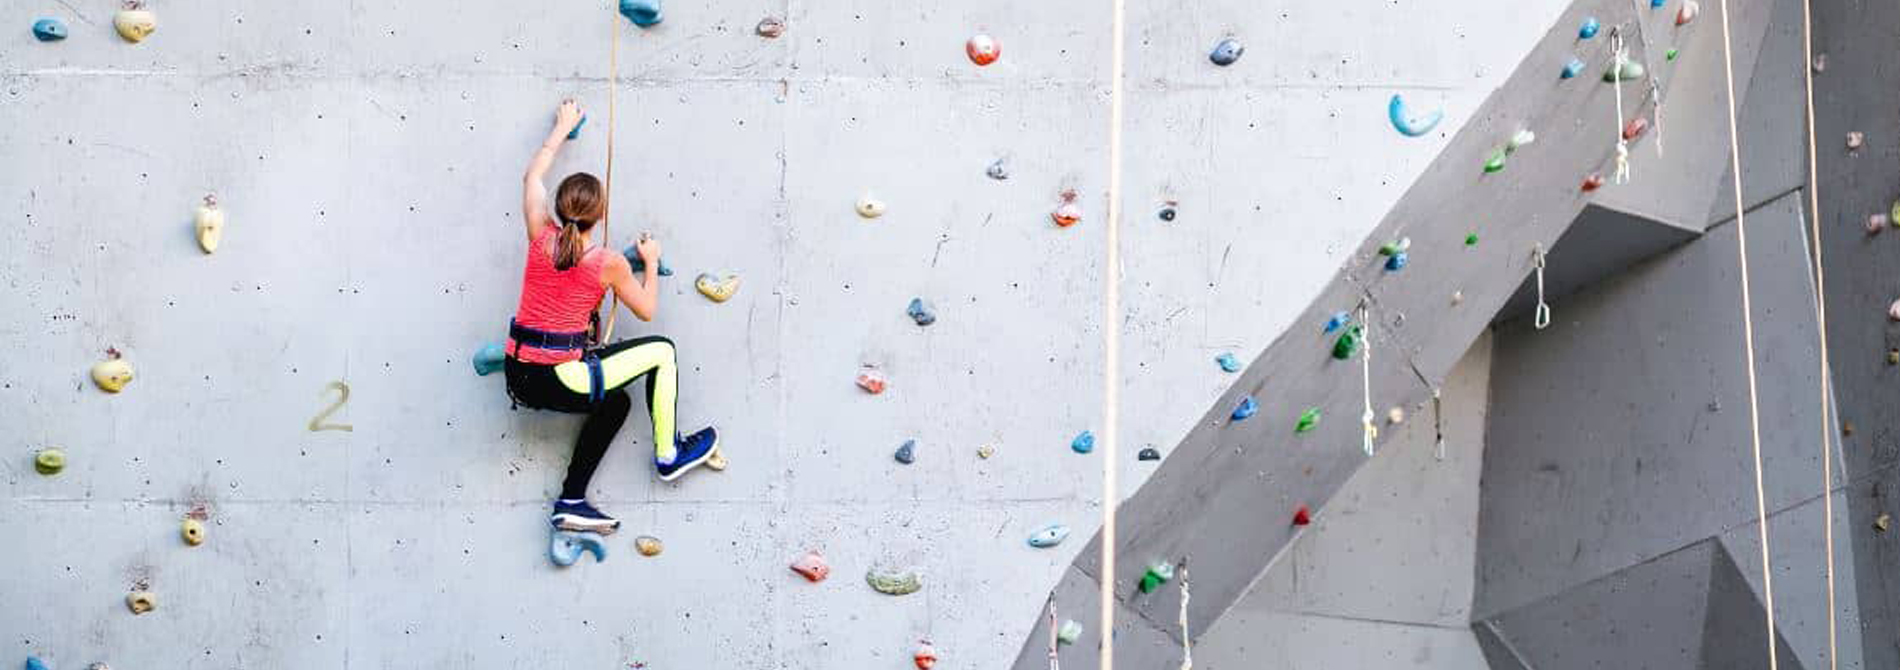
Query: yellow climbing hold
[[49, 461], [717, 288], [135, 22], [113, 373], [210, 224], [1883, 522], [141, 602], [193, 531], [718, 460], [647, 545]]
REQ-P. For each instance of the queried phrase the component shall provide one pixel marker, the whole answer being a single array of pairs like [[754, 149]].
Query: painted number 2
[[342, 396]]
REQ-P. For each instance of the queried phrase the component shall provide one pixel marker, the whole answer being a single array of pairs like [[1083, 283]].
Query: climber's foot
[[582, 517], [688, 453]]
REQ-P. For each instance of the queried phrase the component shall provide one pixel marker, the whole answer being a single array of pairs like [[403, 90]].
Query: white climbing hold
[[870, 207], [113, 373], [210, 224], [1855, 139]]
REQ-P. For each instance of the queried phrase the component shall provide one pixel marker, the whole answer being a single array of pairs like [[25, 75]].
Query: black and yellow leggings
[[566, 387]]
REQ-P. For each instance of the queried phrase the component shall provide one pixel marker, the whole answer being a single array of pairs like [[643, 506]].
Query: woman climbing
[[550, 364]]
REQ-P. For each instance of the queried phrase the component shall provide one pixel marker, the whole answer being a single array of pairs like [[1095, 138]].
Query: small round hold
[[906, 454], [998, 169], [1572, 68], [648, 545], [1245, 410], [1855, 139], [1395, 416], [1878, 222], [1227, 362], [925, 657], [1589, 28], [643, 13], [49, 461], [1395, 247], [1167, 213], [983, 49], [49, 30], [1635, 128], [1069, 632], [112, 374], [1592, 183], [193, 531], [141, 602], [770, 27], [1148, 454], [985, 452], [869, 207], [1083, 443], [1226, 52], [920, 312], [135, 23], [1069, 212], [1690, 9]]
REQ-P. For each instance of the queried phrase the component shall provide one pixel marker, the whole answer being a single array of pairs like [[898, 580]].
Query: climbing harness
[[1748, 340], [1820, 318], [1187, 647], [525, 336], [1541, 318], [1620, 56], [1371, 431]]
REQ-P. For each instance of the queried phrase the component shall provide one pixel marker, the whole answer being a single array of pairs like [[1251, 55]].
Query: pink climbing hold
[[1068, 213], [983, 49], [1688, 12], [1635, 128], [1877, 223], [871, 380], [812, 567], [1893, 311]]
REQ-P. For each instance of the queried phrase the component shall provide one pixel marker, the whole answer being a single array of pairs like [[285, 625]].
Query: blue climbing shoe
[[688, 453], [582, 517]]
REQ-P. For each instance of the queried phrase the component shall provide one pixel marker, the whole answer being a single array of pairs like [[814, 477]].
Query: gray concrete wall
[[368, 156]]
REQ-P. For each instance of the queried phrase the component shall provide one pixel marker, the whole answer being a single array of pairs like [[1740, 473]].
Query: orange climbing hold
[[1635, 128], [812, 567], [871, 380], [1069, 212]]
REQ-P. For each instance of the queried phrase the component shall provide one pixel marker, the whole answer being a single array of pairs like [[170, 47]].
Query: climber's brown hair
[[578, 203]]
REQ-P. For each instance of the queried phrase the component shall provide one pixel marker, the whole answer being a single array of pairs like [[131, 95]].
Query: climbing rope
[[1540, 318], [1820, 318], [1187, 647], [1111, 338], [1655, 75], [1371, 431], [1748, 339], [612, 305], [1055, 663], [1620, 57]]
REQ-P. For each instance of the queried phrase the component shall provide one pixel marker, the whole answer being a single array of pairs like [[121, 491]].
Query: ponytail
[[567, 250]]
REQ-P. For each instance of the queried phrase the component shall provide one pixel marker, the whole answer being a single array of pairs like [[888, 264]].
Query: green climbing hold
[[49, 461], [1496, 164], [1631, 71], [1309, 419], [1395, 247], [1671, 54], [1347, 344], [1471, 240], [1157, 575]]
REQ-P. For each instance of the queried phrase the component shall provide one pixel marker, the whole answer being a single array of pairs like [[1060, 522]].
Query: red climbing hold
[[1067, 213], [983, 49], [926, 656], [871, 380], [1635, 128], [1592, 182], [1302, 516], [812, 567]]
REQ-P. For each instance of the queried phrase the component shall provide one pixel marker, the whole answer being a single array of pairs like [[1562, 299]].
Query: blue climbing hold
[[1246, 408], [1226, 52], [567, 546], [1083, 443], [1573, 68], [1339, 320], [638, 264], [921, 312], [49, 30], [34, 663], [1227, 362], [1408, 125], [1587, 31], [1049, 536], [489, 359], [643, 13], [907, 454], [575, 134], [1657, 3], [1395, 262]]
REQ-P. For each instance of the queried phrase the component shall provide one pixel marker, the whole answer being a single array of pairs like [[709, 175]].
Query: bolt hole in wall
[[935, 427]]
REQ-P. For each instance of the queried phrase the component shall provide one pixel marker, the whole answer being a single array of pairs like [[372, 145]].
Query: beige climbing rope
[[1620, 57], [1055, 661], [1111, 339], [1187, 646], [1541, 317], [1748, 339], [1371, 431], [612, 305], [1820, 318]]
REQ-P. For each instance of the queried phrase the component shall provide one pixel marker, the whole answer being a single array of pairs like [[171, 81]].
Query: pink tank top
[[556, 300]]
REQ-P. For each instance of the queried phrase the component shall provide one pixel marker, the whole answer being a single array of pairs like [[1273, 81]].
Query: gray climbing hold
[[1049, 536], [998, 170], [921, 312], [489, 359], [49, 30], [1226, 52], [638, 264], [566, 547], [907, 454], [1083, 442], [770, 27], [1227, 362], [643, 13], [1148, 454]]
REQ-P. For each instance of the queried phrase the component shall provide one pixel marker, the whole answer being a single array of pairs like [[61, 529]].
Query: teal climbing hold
[[1586, 31], [1407, 124], [1083, 442], [34, 663], [1309, 420], [643, 13], [1049, 536], [1227, 362], [1397, 262], [1573, 68], [575, 134], [921, 312], [1347, 344], [49, 30], [1245, 409], [1657, 3], [1338, 320], [566, 547], [489, 359], [638, 264], [1226, 52]]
